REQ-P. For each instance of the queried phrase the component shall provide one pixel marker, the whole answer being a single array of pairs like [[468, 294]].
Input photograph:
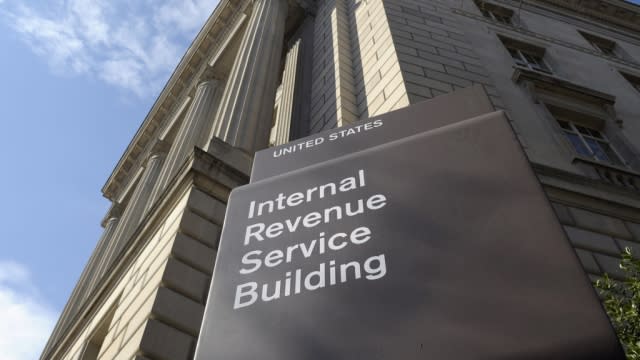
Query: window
[[526, 55], [581, 115], [528, 60], [495, 12], [589, 142], [604, 46], [633, 80]]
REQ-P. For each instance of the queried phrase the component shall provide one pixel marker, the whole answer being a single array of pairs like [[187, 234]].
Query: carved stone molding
[[209, 173], [548, 39], [555, 84], [591, 182], [244, 117], [159, 147], [612, 175], [621, 13], [115, 211], [209, 74], [182, 80]]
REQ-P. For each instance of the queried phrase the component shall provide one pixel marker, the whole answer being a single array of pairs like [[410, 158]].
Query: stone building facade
[[261, 72]]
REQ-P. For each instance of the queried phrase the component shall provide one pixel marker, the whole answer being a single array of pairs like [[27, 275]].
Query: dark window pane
[[502, 18], [634, 81], [530, 58], [577, 144], [607, 51], [598, 152], [613, 157], [604, 48], [595, 133], [596, 46], [582, 130], [514, 54], [537, 63], [564, 125]]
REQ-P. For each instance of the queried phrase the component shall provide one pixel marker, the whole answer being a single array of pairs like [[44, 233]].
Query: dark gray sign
[[428, 115], [440, 245]]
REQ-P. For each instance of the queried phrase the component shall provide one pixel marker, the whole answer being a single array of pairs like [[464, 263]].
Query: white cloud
[[186, 15], [26, 320], [55, 40], [131, 45], [91, 19]]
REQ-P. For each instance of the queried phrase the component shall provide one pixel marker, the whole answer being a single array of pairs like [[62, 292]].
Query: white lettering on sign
[[338, 134], [373, 268], [328, 273]]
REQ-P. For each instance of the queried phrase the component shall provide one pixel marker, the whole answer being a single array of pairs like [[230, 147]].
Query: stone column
[[292, 119], [282, 126], [98, 258], [245, 114], [300, 114], [136, 206], [84, 286], [194, 131]]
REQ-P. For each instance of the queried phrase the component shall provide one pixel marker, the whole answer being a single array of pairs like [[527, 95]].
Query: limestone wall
[[159, 301]]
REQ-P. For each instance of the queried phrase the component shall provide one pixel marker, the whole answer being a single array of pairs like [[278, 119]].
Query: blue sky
[[78, 78]]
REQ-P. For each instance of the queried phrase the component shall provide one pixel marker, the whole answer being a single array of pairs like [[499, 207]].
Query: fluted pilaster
[[282, 126], [87, 280], [245, 114], [194, 131], [136, 206], [292, 118], [300, 114], [96, 263]]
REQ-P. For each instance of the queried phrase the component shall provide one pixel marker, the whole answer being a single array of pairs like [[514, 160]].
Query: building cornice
[[558, 85], [208, 40], [500, 28], [620, 13], [589, 187], [214, 175]]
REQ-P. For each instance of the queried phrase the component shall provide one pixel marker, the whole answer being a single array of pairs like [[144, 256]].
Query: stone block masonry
[[598, 239], [356, 73], [433, 54]]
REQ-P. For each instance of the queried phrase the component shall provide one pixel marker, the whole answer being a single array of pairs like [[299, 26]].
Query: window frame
[[587, 136], [604, 46], [528, 59], [633, 80], [495, 13], [604, 49]]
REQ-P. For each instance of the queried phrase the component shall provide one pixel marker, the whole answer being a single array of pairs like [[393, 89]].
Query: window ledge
[[553, 83], [514, 25], [611, 174]]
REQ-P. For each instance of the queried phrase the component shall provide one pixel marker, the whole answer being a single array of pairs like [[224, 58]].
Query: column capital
[[245, 115], [114, 212], [160, 147], [210, 74], [156, 156], [193, 131]]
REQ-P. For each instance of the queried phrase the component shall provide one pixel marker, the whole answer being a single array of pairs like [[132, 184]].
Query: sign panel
[[427, 115], [439, 245]]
